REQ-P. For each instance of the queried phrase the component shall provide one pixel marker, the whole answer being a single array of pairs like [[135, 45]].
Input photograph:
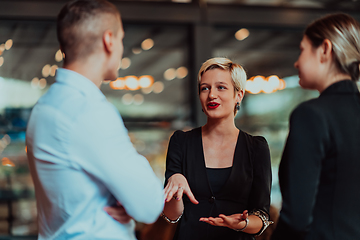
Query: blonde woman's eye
[[222, 87], [204, 88]]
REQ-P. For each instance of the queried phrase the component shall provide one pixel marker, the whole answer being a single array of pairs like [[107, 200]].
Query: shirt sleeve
[[174, 155], [299, 171], [261, 186], [103, 149]]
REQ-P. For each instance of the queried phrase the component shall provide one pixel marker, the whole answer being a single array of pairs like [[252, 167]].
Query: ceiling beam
[[170, 12]]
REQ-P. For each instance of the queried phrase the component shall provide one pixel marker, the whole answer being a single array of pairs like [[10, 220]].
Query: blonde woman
[[319, 171], [217, 168]]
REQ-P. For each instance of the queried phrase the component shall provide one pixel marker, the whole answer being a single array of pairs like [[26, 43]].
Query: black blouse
[[248, 186], [217, 178]]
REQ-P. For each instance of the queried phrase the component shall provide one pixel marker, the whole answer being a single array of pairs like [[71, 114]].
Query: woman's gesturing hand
[[177, 186], [235, 221]]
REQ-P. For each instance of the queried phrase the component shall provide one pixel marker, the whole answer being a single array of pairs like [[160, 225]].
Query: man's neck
[[91, 71]]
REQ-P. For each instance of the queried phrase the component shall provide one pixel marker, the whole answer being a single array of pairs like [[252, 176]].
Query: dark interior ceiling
[[272, 47]]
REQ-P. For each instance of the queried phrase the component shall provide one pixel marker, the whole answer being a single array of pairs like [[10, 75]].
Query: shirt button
[[212, 199]]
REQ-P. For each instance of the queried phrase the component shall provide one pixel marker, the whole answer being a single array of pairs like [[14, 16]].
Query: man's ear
[[108, 41], [326, 51]]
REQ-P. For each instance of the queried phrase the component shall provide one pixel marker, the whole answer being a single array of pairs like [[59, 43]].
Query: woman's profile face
[[308, 64], [217, 95]]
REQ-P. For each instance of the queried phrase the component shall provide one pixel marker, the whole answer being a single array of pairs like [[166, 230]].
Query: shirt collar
[[79, 82], [344, 86]]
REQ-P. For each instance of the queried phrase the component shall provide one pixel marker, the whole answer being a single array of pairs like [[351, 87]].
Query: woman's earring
[[237, 106]]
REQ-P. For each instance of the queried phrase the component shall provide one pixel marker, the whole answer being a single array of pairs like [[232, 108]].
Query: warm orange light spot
[[170, 74], [46, 70], [118, 84], [158, 87], [181, 72], [282, 84], [147, 44], [8, 44], [7, 162], [146, 81], [242, 34], [254, 84], [25, 148], [132, 83], [58, 56], [259, 84]]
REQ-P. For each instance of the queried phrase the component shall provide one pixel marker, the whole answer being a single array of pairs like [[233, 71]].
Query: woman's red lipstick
[[212, 105]]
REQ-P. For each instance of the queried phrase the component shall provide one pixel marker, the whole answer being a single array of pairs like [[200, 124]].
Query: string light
[[170, 74], [242, 34], [53, 70], [138, 99], [147, 90], [259, 84], [158, 87], [46, 70], [118, 84], [125, 63], [132, 83], [136, 50], [8, 44], [34, 82], [58, 56], [127, 99], [147, 44], [42, 83], [181, 72], [146, 81]]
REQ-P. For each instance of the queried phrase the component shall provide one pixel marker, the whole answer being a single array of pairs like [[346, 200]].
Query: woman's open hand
[[235, 221], [177, 186]]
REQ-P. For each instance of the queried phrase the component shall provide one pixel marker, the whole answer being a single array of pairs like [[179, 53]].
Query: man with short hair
[[80, 155]]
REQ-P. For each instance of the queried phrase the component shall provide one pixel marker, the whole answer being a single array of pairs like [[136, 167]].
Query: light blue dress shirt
[[81, 160]]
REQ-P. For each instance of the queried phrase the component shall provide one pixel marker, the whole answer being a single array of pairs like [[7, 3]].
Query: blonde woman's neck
[[220, 127]]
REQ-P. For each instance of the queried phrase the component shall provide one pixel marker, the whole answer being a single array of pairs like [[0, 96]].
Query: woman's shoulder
[[255, 140], [310, 109], [258, 149], [314, 104], [182, 134]]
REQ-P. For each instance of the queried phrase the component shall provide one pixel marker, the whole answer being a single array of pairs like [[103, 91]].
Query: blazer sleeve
[[300, 169], [261, 186], [174, 155]]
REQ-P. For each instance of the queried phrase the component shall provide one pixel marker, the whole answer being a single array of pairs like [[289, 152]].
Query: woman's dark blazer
[[248, 186], [320, 168]]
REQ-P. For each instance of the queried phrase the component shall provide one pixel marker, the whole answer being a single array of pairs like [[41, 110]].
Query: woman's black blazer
[[248, 186], [320, 168]]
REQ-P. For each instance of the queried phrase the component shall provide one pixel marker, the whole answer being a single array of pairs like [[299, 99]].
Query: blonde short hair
[[237, 72], [343, 31]]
